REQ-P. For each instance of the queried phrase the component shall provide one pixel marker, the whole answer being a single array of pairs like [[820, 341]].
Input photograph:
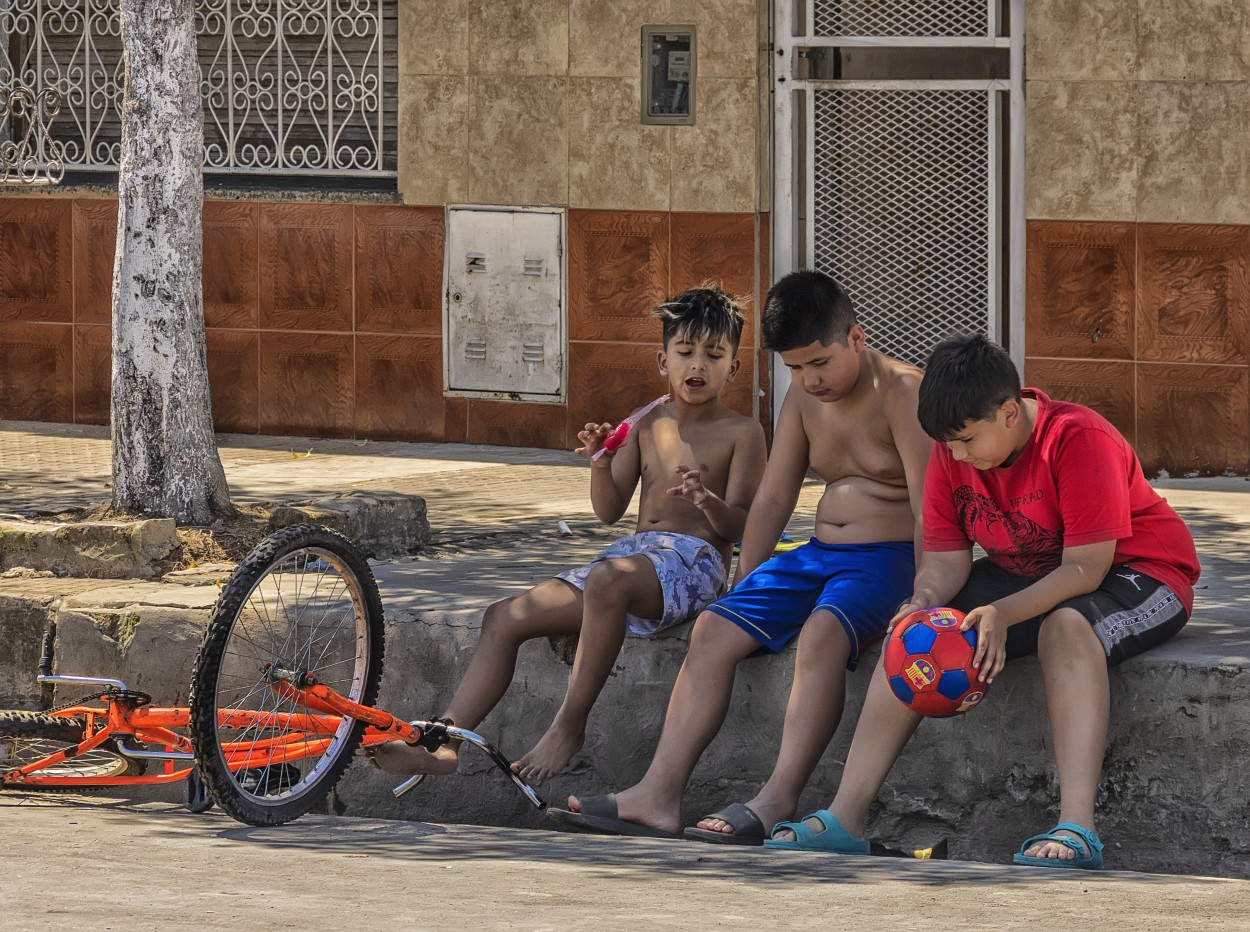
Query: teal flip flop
[[1086, 844], [834, 838]]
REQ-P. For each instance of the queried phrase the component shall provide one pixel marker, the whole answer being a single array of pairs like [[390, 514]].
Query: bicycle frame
[[125, 718]]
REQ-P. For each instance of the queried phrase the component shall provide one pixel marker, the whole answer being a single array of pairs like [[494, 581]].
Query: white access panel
[[503, 305]]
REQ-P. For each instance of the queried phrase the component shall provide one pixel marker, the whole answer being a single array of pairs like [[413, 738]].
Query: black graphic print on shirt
[[1029, 549]]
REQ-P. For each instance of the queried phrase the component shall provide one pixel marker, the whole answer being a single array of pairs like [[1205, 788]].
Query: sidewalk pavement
[[97, 864]]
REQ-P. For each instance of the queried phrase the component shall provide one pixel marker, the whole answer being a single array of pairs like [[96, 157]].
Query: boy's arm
[[614, 476], [779, 490], [728, 515], [940, 574], [913, 445], [1081, 571]]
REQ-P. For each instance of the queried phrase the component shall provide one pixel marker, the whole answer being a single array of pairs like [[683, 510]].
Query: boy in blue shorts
[[850, 417], [699, 464], [1086, 566]]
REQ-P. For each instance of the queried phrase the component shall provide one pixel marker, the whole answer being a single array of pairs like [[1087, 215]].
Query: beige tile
[[605, 39], [1193, 165], [433, 139], [1082, 150], [433, 37], [510, 37], [518, 140], [726, 35], [1181, 40], [615, 162], [713, 166], [1081, 40]]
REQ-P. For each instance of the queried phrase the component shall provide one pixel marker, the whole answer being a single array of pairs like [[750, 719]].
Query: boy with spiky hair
[[1086, 566], [699, 464]]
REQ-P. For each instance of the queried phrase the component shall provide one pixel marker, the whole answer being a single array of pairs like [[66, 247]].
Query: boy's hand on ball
[[991, 653]]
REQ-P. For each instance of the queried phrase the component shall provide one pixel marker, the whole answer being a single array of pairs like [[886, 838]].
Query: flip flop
[[1086, 844], [746, 825], [598, 815], [834, 838]]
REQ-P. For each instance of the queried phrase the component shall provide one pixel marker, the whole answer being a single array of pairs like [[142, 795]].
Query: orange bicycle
[[281, 697]]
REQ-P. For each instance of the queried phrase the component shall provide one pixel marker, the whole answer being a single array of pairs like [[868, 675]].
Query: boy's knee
[[1066, 629], [713, 635]]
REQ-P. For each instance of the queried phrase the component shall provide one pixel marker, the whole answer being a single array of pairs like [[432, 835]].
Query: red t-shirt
[[1077, 481]]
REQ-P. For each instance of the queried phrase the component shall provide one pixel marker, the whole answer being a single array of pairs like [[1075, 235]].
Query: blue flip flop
[[834, 838], [1086, 844]]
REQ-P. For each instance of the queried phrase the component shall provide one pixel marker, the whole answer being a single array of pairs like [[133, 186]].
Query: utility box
[[504, 319]]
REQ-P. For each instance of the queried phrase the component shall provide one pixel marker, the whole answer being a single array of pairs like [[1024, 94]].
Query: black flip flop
[[598, 815], [746, 825]]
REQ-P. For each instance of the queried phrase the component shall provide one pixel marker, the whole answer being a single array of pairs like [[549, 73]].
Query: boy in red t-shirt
[[1087, 566]]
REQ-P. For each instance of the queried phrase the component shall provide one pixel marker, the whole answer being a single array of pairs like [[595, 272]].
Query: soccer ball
[[928, 661]]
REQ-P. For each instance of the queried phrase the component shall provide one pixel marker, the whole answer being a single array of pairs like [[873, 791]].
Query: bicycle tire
[[26, 737], [268, 613]]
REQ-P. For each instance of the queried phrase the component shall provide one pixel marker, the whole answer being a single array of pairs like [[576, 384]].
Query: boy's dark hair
[[806, 307], [709, 312], [966, 378]]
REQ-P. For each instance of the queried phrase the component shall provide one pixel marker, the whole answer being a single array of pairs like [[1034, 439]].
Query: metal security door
[[899, 144]]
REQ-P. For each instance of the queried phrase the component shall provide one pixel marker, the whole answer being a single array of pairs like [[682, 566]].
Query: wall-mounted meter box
[[668, 74]]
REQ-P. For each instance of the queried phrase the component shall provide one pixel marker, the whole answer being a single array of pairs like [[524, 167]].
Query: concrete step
[[1172, 799]]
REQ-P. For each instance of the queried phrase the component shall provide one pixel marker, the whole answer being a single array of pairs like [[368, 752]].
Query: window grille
[[948, 18], [902, 210], [290, 87]]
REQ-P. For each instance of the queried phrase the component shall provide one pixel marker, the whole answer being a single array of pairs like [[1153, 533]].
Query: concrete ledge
[[103, 549], [380, 523], [1174, 767]]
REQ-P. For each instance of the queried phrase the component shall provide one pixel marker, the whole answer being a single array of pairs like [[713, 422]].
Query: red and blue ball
[[928, 661]]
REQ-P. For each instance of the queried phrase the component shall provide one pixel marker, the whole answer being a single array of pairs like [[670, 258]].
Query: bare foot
[[550, 755], [409, 760], [769, 812]]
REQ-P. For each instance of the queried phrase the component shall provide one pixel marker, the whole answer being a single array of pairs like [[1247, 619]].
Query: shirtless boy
[[700, 464], [849, 416]]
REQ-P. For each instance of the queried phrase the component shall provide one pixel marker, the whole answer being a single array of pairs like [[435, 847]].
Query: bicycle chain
[[92, 697]]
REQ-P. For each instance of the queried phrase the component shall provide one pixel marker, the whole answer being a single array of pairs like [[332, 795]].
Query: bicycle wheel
[[304, 599], [26, 737]]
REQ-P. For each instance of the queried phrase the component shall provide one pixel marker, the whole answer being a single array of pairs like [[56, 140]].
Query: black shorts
[[1130, 612]]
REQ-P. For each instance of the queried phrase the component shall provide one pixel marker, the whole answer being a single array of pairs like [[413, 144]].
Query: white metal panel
[[504, 303]]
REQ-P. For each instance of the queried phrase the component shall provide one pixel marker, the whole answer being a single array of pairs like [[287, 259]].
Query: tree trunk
[[165, 459]]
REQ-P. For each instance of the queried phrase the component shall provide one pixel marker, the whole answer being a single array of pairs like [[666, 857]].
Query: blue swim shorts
[[861, 584], [691, 573]]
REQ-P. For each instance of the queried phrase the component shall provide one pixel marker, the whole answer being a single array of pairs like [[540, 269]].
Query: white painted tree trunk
[[165, 459]]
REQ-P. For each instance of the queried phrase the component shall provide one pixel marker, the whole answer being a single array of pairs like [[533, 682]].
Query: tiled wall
[[325, 319], [1139, 221], [503, 102]]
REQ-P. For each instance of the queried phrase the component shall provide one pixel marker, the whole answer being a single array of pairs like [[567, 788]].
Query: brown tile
[[1193, 419], [306, 266], [609, 380], [517, 424], [93, 373], [739, 393], [231, 264], [716, 247], [1193, 296], [1107, 387], [456, 420], [234, 379], [399, 270], [306, 384], [399, 388], [1080, 297], [36, 259], [765, 368], [95, 245], [618, 272], [764, 281], [36, 377]]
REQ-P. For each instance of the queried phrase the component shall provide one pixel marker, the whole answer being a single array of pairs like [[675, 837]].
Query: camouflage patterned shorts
[[692, 574]]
